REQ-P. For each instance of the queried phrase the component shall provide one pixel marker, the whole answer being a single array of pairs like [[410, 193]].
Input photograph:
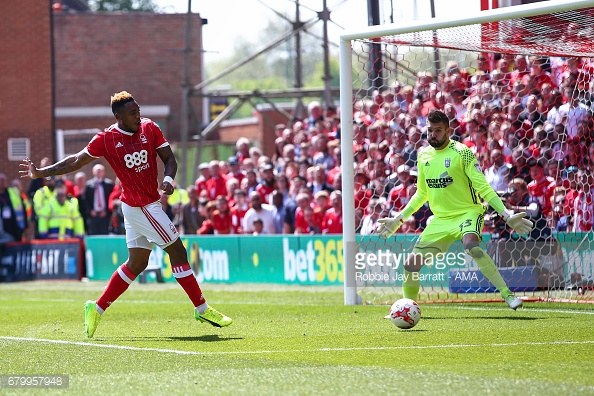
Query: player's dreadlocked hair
[[437, 116], [118, 100]]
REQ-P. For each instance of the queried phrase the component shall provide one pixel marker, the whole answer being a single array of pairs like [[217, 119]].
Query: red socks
[[118, 284], [185, 277], [123, 277]]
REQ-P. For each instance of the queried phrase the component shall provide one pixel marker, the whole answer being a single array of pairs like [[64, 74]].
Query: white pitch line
[[178, 352]]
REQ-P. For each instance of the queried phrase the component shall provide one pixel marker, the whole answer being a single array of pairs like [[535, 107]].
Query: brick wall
[[25, 79], [95, 55], [99, 54]]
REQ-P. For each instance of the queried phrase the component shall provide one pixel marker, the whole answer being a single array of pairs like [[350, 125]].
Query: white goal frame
[[346, 101]]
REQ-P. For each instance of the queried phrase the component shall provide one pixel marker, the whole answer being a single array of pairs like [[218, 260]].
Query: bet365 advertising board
[[318, 260], [306, 260]]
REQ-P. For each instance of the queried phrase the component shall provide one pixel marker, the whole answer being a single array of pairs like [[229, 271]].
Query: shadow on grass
[[202, 338], [484, 318], [413, 330]]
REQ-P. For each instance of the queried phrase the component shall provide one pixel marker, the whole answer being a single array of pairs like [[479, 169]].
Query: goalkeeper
[[450, 178]]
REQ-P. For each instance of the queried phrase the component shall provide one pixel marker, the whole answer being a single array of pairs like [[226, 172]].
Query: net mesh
[[519, 94]]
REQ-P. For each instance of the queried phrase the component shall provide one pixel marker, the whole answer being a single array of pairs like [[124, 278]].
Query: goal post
[[541, 33]]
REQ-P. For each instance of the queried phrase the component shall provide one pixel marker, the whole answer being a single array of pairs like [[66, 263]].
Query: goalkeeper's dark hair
[[437, 116], [119, 100]]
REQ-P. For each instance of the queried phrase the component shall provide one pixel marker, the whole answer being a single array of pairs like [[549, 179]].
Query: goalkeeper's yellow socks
[[488, 268], [411, 285]]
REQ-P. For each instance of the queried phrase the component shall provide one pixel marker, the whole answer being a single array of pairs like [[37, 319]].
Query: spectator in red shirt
[[571, 191], [238, 211], [362, 194], [303, 201], [583, 211], [215, 186], [221, 218], [541, 187], [332, 220], [313, 221], [234, 169], [398, 197], [577, 74], [80, 178], [203, 178], [207, 227], [69, 186], [541, 76], [337, 160], [267, 184], [232, 185], [321, 202], [243, 149]]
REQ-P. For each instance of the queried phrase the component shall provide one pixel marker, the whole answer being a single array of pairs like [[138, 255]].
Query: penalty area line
[[262, 352]]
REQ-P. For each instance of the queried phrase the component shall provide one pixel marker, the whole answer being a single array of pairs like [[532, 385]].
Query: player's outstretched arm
[[168, 158], [67, 165]]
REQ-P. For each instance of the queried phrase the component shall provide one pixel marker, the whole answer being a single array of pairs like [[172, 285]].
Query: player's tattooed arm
[[67, 165], [166, 155], [168, 158]]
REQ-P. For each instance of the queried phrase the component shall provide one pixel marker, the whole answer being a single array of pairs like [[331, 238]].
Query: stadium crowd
[[529, 121]]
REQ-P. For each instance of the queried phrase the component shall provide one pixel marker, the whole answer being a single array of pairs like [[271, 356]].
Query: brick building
[[97, 54], [93, 55], [26, 88], [63, 64]]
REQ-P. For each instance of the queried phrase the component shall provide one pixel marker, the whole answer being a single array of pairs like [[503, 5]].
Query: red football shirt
[[216, 186], [543, 190], [332, 222], [301, 223], [237, 215], [265, 192], [133, 157], [398, 197], [200, 185], [222, 222]]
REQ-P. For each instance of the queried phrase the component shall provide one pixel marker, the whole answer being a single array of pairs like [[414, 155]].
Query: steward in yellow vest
[[60, 218]]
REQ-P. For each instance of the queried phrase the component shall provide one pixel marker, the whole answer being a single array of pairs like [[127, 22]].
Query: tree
[[274, 69], [123, 5], [278, 62]]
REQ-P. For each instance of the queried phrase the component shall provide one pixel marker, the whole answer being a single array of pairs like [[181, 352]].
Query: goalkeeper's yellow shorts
[[440, 233]]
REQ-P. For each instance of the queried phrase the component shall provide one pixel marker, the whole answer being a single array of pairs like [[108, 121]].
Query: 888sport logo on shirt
[[138, 159]]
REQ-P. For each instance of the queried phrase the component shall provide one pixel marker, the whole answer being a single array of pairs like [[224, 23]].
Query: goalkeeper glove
[[389, 225], [517, 221]]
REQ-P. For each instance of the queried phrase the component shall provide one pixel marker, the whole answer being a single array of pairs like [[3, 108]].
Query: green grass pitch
[[289, 340]]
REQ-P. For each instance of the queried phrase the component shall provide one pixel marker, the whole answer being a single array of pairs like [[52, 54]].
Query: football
[[405, 313]]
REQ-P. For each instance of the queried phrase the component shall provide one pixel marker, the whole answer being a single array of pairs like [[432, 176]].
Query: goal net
[[517, 85]]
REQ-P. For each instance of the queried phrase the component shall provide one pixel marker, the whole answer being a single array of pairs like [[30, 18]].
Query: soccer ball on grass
[[405, 313]]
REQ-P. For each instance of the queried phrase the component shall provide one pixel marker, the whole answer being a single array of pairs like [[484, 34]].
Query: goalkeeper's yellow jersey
[[451, 180]]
